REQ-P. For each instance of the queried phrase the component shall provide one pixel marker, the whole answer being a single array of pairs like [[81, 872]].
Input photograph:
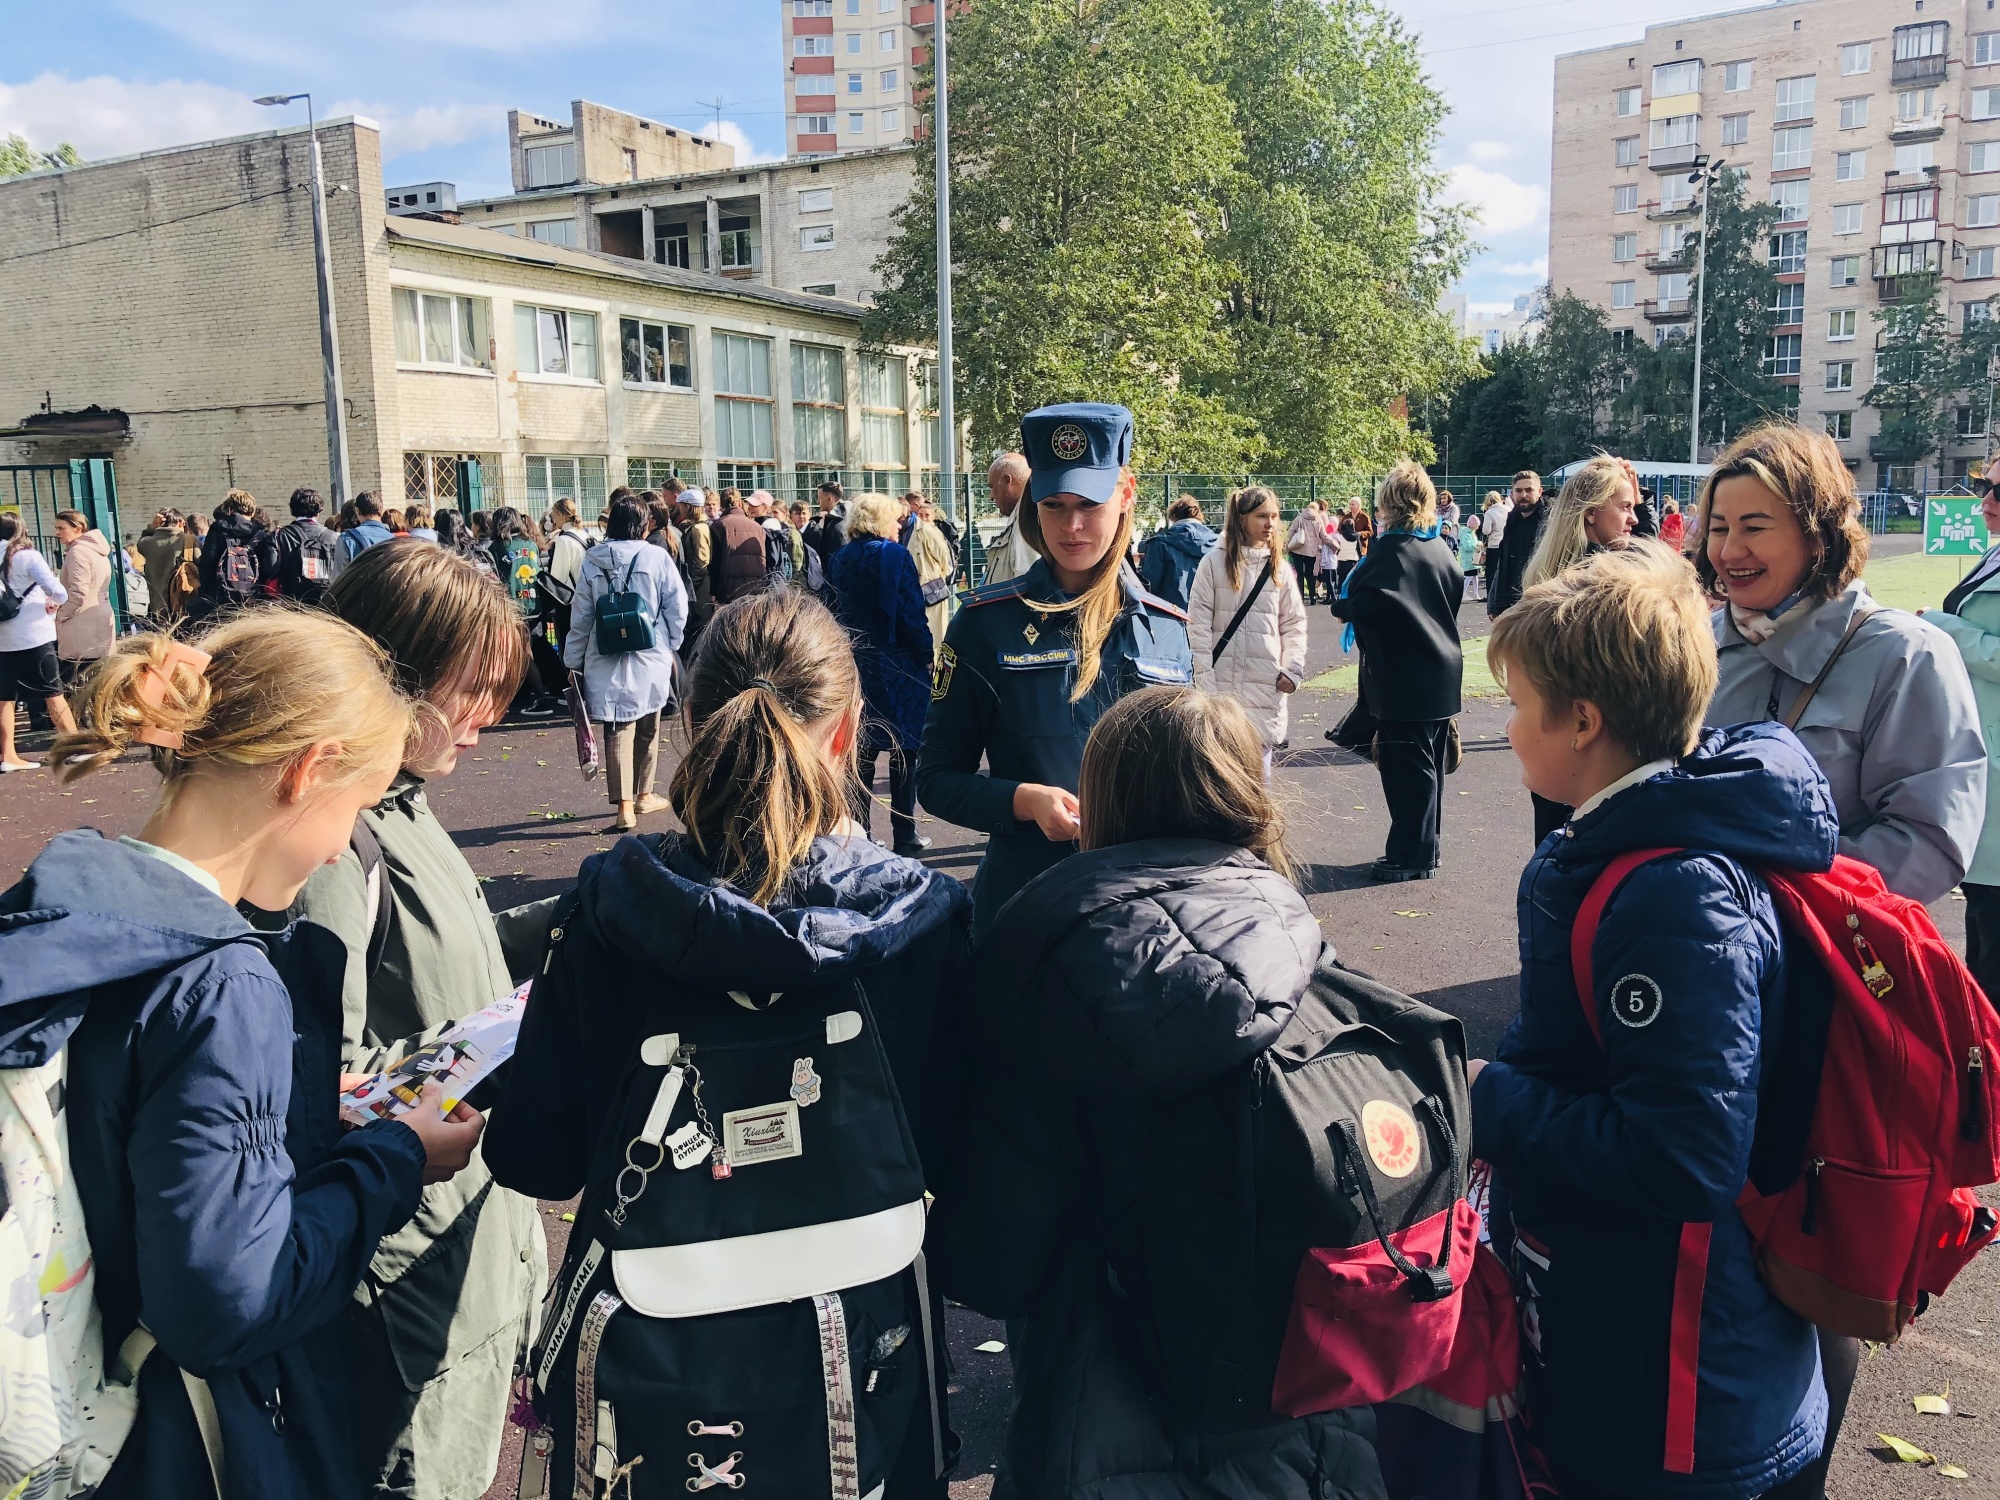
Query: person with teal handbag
[[626, 624]]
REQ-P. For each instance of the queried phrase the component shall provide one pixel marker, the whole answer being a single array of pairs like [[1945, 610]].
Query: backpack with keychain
[[624, 621], [743, 1304]]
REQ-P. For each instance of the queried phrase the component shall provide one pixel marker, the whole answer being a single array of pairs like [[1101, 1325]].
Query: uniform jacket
[[873, 582], [1603, 1153], [655, 924], [1169, 558], [1001, 693], [1975, 629], [1403, 601], [1894, 727], [1521, 530], [1272, 638], [225, 1205], [85, 624], [1116, 984], [451, 1296], [626, 685], [738, 556]]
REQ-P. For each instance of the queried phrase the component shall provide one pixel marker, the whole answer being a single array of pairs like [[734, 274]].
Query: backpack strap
[[1691, 1261], [1243, 609], [369, 852]]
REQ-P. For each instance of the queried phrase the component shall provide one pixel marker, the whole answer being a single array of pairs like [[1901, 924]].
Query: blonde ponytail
[[277, 682], [1097, 608], [755, 788]]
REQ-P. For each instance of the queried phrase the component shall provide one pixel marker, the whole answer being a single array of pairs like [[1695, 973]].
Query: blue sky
[[439, 75]]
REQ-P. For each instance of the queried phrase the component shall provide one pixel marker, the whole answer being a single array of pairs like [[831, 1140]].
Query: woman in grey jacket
[[625, 690], [450, 1300], [1879, 697]]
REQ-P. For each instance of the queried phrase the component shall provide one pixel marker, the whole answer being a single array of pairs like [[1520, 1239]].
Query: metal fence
[[36, 492]]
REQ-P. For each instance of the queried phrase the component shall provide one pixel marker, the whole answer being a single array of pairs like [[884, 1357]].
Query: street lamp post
[[947, 417], [1705, 174], [329, 340]]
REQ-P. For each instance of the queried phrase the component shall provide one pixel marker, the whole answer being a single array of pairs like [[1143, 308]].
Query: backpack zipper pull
[[1970, 1114], [1874, 973], [1809, 1221], [555, 937]]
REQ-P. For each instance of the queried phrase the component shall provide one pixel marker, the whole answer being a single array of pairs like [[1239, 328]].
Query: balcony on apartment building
[[1663, 261], [1673, 158], [1927, 125], [675, 233], [1922, 52], [1666, 309], [1893, 265], [1679, 208]]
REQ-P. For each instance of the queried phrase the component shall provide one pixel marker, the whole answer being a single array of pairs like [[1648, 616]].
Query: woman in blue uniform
[[1030, 665]]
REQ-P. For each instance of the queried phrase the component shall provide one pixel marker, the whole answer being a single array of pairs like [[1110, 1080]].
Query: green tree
[[1336, 247], [1918, 369], [1650, 416], [1739, 310], [1580, 377], [1218, 212], [18, 158], [1495, 420]]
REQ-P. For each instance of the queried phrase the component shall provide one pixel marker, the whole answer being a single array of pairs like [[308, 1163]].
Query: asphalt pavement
[[526, 819]]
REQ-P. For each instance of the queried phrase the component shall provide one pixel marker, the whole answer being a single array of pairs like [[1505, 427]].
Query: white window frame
[[814, 238], [1674, 130], [411, 306], [566, 238], [853, 44], [802, 8], [889, 80], [1735, 129], [1795, 97], [1923, 107], [1625, 247], [1856, 58], [1622, 293], [1982, 157], [1854, 112], [1671, 78], [1982, 210], [888, 41], [1791, 147], [812, 46], [667, 332], [1922, 39], [535, 160], [816, 200], [885, 374], [1839, 375], [1793, 199], [1625, 102], [1625, 151], [1852, 265], [741, 367], [892, 121], [816, 125], [823, 403], [1985, 104], [1840, 426], [1985, 48], [1784, 353], [1978, 264], [1850, 166], [857, 83], [1737, 76], [1916, 156], [857, 122], [1788, 251], [584, 479], [1788, 305], [531, 362], [1841, 325], [1625, 198], [816, 86], [1847, 218]]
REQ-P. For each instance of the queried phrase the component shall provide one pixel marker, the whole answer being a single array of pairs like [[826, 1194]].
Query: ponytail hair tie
[[765, 683], [153, 682]]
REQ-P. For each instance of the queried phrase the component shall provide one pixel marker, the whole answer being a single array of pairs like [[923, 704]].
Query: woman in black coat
[[1116, 987], [1402, 601]]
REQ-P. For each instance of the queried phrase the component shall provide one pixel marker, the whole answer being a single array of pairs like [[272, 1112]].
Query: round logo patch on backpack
[[1395, 1144]]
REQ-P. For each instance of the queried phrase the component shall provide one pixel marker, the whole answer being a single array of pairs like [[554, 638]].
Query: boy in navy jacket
[[1659, 1365]]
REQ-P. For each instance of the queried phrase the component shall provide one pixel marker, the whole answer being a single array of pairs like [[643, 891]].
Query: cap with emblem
[[1076, 449]]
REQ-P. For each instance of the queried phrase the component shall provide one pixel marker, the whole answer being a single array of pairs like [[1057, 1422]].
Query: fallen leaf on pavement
[[1951, 1471], [1908, 1452], [1413, 914], [1931, 1406]]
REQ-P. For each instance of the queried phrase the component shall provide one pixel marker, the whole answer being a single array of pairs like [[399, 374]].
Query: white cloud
[[1537, 268], [406, 132], [733, 134], [1502, 204], [1491, 151]]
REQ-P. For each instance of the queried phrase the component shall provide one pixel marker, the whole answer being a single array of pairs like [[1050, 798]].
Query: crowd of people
[[981, 1095]]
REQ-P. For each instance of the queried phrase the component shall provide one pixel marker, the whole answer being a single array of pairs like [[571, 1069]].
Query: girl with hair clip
[[230, 1217], [449, 1300], [1246, 618], [772, 889], [1595, 509], [1030, 664], [1116, 987]]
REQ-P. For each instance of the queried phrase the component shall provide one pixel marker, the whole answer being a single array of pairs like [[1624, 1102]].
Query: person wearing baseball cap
[[1030, 664]]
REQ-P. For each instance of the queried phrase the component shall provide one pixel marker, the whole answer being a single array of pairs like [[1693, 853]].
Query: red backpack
[[1902, 1124]]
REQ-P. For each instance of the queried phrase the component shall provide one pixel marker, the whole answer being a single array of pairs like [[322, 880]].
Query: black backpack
[[743, 1303], [236, 569], [1312, 1281], [624, 622]]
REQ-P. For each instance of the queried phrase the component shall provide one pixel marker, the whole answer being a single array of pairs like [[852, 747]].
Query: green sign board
[[1953, 528]]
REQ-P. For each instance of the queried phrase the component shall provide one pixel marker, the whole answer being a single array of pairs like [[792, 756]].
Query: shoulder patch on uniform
[[1636, 1000], [1154, 601], [989, 593], [947, 663]]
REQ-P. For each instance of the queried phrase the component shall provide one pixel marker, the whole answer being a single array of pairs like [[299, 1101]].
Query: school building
[[160, 310]]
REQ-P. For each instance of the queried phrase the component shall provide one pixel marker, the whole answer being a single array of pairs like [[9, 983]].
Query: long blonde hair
[[754, 789], [1243, 504], [1097, 608], [279, 681], [1565, 537]]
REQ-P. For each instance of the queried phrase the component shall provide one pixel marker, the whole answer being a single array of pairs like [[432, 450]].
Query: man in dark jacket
[[299, 557], [161, 547], [1517, 544], [738, 553], [1169, 558], [231, 564], [826, 533]]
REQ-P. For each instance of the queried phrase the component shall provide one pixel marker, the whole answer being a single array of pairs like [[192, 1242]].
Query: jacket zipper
[[1809, 1221]]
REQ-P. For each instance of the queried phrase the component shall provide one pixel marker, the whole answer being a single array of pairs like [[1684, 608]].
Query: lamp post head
[[279, 98]]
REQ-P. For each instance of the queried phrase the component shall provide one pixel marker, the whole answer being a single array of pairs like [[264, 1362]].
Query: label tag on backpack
[[768, 1133]]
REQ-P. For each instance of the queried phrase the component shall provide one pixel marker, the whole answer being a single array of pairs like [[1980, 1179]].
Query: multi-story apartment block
[[172, 293], [1873, 125], [848, 70], [813, 224]]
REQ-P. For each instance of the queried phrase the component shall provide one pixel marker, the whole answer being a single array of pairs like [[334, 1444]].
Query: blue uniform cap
[[1076, 449]]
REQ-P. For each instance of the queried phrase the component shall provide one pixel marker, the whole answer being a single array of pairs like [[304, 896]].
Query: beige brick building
[[848, 65], [807, 225], [177, 288], [1873, 124]]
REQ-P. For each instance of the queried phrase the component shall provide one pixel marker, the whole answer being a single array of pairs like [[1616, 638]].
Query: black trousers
[[902, 792], [1409, 756], [1982, 936]]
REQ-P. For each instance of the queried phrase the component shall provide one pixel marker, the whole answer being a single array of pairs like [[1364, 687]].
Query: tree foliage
[[1918, 369], [1220, 213], [18, 158]]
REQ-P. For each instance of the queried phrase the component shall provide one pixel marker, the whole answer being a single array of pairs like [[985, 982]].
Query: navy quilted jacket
[[1603, 1153], [878, 598]]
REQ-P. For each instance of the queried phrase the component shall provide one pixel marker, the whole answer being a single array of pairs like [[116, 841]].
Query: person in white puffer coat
[[1264, 662]]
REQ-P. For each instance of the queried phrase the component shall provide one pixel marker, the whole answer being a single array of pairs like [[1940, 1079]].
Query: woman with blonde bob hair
[[1401, 606], [230, 1216], [1593, 510], [1136, 976]]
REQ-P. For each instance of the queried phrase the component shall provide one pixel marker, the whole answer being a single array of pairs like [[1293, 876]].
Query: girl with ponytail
[[733, 927], [229, 1216]]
